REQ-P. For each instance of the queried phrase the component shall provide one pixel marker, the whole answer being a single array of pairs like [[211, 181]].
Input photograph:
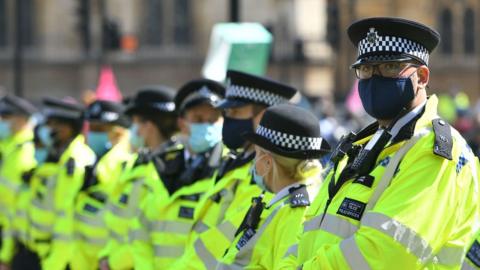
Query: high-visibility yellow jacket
[[265, 246], [90, 231], [17, 159], [54, 188], [124, 207], [472, 260], [159, 236], [421, 217], [217, 218]]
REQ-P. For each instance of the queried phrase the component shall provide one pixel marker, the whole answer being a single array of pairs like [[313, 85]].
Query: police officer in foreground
[[17, 160], [288, 147], [402, 193], [109, 137], [56, 183], [154, 124], [247, 98], [167, 217]]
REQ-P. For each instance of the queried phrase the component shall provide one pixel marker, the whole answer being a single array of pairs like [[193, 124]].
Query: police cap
[[198, 92], [383, 39], [13, 105], [63, 109], [107, 112], [151, 100], [243, 88]]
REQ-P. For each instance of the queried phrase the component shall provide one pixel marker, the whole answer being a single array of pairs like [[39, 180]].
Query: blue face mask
[[135, 140], [41, 155], [99, 142], [384, 98], [233, 129], [5, 129], [204, 136], [258, 179], [45, 136]]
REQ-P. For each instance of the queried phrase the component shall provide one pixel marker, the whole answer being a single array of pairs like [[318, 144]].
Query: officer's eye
[[391, 66]]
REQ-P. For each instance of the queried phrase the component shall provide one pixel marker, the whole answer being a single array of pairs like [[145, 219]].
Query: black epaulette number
[[299, 196], [443, 139], [70, 165]]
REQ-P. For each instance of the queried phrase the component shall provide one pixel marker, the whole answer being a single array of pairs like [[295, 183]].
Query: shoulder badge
[[443, 139], [299, 196], [70, 165]]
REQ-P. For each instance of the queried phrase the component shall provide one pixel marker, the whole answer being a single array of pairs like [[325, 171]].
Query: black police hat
[[198, 92], [108, 112], [290, 131], [13, 105], [244, 88], [63, 109], [383, 39], [151, 100]]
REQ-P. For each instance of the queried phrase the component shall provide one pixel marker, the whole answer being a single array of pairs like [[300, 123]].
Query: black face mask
[[233, 129]]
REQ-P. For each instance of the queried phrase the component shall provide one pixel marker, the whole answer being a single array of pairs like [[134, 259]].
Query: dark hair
[[166, 123]]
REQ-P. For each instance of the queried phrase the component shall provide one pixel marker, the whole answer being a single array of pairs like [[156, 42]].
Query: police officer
[[17, 159], [55, 184], [403, 192], [154, 124], [288, 148], [167, 217], [247, 97], [109, 137]]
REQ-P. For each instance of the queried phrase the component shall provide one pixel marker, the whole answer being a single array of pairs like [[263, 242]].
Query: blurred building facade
[[165, 41]]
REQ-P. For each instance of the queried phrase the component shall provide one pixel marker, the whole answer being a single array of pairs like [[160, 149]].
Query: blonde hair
[[299, 170]]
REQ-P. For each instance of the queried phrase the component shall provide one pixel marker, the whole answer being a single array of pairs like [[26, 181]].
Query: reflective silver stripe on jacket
[[168, 251], [167, 226], [200, 227], [131, 209], [292, 250], [92, 221], [41, 227], [137, 235], [352, 254], [228, 230], [449, 256], [244, 255], [400, 233], [13, 187], [205, 256], [332, 224], [96, 241]]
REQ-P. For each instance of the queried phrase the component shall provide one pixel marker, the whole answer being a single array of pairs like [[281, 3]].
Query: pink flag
[[107, 88]]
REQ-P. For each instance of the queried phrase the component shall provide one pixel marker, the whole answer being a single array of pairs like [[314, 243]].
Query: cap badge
[[96, 109], [372, 36]]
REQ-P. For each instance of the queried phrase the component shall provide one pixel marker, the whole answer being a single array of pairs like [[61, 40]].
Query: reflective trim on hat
[[373, 43], [291, 141], [256, 95], [203, 93], [58, 112], [163, 106]]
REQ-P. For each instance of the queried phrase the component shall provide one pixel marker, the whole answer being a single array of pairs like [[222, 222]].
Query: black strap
[[252, 218]]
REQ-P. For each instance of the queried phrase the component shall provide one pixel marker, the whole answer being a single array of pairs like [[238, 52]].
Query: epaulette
[[70, 166], [27, 176], [443, 139], [143, 157], [299, 196]]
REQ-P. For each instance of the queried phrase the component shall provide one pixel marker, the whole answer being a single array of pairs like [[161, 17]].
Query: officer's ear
[[182, 125], [423, 75]]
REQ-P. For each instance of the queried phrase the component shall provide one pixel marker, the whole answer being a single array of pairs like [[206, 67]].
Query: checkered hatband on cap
[[256, 95], [290, 141], [384, 44]]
